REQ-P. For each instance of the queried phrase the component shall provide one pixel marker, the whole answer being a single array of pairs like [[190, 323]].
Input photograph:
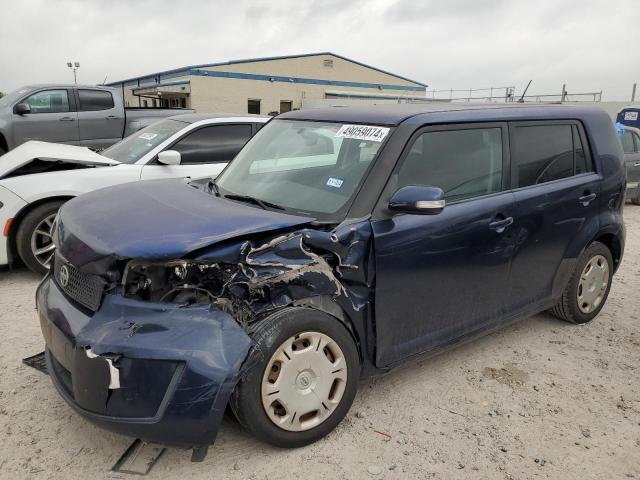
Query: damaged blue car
[[338, 244]]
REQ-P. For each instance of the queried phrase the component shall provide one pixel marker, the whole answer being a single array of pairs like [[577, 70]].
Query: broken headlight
[[180, 281]]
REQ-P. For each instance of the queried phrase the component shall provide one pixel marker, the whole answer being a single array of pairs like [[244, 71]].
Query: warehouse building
[[264, 85]]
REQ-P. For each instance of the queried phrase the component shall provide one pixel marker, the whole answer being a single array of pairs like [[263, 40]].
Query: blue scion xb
[[338, 244]]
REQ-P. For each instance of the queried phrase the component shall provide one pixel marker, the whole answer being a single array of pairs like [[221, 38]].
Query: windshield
[[308, 168], [136, 145], [9, 98]]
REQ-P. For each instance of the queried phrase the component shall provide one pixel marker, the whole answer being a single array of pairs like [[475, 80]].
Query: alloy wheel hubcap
[[42, 245], [304, 381], [593, 284]]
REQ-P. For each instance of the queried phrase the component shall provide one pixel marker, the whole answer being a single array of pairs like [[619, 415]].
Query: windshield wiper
[[261, 203]]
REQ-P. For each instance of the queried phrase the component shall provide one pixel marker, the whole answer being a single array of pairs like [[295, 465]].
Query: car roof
[[198, 117], [394, 114]]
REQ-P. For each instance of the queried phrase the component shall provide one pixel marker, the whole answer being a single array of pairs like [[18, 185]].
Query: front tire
[[588, 288], [33, 238], [302, 381]]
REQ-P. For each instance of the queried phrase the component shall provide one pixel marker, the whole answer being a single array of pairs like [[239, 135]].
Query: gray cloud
[[587, 44]]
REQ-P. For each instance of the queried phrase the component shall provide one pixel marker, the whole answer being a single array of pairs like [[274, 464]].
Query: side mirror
[[418, 199], [170, 157], [22, 109]]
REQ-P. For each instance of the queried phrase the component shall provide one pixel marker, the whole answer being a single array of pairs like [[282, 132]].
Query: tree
[[1, 94]]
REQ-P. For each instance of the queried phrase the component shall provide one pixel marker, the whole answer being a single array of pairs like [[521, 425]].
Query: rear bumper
[[153, 371], [632, 190]]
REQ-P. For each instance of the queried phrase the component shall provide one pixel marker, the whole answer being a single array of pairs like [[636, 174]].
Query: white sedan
[[38, 177]]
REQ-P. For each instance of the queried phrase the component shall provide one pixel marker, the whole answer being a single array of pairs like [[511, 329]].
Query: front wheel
[[33, 238], [302, 380], [588, 289]]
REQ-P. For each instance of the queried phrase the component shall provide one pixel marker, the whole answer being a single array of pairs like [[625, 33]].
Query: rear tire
[[33, 239], [297, 421], [588, 288]]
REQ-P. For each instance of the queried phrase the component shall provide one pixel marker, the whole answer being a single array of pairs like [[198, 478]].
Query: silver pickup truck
[[75, 114]]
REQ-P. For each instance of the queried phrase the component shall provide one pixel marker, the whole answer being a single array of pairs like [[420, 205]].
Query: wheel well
[[17, 220], [613, 244], [3, 143]]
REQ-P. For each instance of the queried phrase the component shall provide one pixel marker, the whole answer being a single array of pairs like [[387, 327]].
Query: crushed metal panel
[[38, 362], [139, 458]]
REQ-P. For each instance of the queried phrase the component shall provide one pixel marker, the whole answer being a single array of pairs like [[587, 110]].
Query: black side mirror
[[22, 109], [418, 199]]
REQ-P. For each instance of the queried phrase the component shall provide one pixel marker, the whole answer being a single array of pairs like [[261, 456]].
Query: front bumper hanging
[[156, 371]]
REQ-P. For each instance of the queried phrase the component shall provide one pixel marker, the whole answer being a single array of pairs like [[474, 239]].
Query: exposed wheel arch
[[327, 305], [4, 146], [13, 250], [612, 242]]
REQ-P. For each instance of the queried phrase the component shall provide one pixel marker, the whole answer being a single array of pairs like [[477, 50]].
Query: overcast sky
[[590, 45]]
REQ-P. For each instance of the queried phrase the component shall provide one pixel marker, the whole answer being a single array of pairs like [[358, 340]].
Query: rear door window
[[463, 163], [94, 100], [544, 153], [214, 144]]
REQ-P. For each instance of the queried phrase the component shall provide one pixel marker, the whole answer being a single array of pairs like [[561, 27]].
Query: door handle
[[500, 225], [111, 117], [585, 200], [67, 119], [637, 164]]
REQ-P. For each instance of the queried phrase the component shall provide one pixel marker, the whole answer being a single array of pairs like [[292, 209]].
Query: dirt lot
[[541, 399]]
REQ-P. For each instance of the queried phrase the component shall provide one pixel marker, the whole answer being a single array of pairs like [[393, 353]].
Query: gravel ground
[[540, 399]]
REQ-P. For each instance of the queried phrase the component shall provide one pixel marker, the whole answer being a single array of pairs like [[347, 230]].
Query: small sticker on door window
[[148, 136], [631, 115], [363, 132], [335, 182]]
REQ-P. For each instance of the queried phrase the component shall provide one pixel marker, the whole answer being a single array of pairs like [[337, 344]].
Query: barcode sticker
[[363, 132]]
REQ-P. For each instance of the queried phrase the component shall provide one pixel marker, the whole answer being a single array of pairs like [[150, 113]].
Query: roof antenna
[[104, 82], [521, 99]]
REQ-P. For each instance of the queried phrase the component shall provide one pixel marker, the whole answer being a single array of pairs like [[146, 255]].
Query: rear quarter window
[[93, 100], [544, 153]]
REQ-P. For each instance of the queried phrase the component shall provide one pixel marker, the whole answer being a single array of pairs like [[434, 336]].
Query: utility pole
[[74, 66], [564, 92], [633, 92]]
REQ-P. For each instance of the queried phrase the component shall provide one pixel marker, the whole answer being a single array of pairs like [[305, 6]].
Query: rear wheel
[[303, 379], [588, 289], [33, 238]]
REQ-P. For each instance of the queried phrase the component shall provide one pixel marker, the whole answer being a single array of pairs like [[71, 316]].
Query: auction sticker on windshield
[[363, 132]]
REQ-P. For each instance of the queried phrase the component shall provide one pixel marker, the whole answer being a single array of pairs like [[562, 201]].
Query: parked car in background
[[339, 243], [629, 116], [631, 147], [74, 114], [37, 177]]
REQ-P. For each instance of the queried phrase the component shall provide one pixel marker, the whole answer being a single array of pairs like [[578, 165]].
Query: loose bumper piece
[[159, 372]]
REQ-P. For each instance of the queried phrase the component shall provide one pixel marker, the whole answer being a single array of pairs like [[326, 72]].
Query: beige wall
[[230, 95]]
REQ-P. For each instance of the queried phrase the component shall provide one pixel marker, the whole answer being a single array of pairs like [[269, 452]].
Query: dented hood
[[54, 152], [159, 220]]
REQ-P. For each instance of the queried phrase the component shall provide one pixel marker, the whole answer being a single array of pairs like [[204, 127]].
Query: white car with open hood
[[36, 178]]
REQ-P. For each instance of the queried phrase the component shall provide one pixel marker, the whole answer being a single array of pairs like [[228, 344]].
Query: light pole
[[74, 66]]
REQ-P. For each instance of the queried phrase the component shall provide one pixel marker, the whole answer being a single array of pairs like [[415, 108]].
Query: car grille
[[84, 288]]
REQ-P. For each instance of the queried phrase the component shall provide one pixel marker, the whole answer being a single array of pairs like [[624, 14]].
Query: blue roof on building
[[185, 70]]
